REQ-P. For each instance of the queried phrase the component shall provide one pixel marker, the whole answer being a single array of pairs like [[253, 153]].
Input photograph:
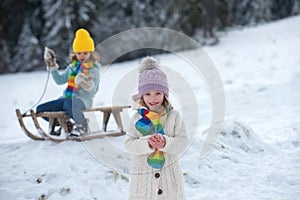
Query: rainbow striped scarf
[[151, 123], [78, 67]]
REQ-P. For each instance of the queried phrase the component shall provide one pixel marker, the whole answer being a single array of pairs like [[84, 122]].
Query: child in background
[[156, 137], [82, 76]]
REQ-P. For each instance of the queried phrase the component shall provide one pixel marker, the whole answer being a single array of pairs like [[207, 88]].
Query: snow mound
[[240, 138]]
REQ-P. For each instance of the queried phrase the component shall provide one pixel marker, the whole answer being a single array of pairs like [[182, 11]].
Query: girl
[[82, 77], [156, 137]]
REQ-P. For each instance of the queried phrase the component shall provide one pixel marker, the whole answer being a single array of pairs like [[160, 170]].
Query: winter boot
[[55, 128], [70, 126], [80, 129]]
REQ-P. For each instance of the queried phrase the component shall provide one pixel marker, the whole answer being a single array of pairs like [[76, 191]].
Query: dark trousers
[[73, 107]]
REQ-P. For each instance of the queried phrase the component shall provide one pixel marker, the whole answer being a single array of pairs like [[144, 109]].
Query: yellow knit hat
[[83, 41]]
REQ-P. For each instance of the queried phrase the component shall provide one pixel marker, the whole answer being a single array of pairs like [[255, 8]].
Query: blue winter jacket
[[86, 96]]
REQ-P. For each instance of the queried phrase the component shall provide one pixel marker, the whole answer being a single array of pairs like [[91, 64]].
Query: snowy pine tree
[[245, 12], [57, 30], [116, 16], [27, 53], [282, 8], [296, 8], [4, 51], [35, 18], [62, 18], [5, 56]]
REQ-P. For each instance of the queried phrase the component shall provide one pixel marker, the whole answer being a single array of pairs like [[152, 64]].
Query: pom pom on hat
[[83, 41], [151, 77], [148, 63]]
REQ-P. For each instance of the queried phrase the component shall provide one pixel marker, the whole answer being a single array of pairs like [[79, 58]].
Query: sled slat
[[108, 109]]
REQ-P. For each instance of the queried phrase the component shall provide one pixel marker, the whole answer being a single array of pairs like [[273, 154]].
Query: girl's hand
[[86, 82], [50, 60], [157, 141]]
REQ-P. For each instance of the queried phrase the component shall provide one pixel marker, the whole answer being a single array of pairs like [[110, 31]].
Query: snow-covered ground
[[256, 155]]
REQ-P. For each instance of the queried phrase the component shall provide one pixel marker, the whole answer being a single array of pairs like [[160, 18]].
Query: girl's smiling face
[[154, 99], [83, 56]]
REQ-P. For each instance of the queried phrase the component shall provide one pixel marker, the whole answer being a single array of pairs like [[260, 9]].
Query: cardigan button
[[157, 175], [159, 192]]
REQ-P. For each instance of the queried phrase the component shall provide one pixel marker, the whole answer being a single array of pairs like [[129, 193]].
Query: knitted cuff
[[53, 68]]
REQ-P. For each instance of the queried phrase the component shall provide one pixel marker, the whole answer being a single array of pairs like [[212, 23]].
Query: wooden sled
[[62, 118]]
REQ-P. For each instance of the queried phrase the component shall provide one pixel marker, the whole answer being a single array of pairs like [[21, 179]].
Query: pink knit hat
[[151, 77]]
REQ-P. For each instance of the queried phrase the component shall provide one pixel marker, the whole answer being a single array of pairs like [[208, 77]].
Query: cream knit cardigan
[[147, 183]]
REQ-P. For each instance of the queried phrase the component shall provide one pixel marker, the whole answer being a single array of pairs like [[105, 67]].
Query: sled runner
[[62, 119]]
